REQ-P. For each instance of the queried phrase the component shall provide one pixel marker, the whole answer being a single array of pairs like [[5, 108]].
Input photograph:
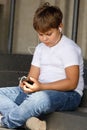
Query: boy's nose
[[45, 38]]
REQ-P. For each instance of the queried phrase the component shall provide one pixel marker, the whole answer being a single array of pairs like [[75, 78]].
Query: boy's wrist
[[41, 86]]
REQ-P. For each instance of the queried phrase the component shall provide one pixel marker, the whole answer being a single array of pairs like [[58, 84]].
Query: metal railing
[[11, 26], [75, 20]]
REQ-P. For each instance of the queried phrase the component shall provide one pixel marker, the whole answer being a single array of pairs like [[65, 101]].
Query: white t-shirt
[[52, 61]]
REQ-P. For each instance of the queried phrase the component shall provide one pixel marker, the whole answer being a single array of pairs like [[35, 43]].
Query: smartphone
[[30, 82], [24, 78]]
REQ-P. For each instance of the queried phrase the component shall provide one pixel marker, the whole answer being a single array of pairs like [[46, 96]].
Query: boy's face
[[50, 38]]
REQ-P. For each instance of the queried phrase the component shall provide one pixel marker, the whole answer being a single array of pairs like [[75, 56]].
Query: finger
[[27, 84], [21, 84], [27, 89], [32, 79]]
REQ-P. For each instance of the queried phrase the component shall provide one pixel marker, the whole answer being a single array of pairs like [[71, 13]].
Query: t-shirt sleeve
[[71, 56]]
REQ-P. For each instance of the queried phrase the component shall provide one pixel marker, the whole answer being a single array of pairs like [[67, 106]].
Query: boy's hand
[[28, 87]]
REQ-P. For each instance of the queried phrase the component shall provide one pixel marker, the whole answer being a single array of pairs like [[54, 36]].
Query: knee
[[40, 98]]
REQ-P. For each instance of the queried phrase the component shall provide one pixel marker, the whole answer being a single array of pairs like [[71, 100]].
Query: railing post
[[11, 26], [75, 20]]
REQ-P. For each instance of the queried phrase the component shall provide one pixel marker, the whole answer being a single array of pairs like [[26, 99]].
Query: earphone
[[60, 29]]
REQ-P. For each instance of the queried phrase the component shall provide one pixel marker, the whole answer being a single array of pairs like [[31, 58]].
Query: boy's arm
[[67, 84], [34, 72]]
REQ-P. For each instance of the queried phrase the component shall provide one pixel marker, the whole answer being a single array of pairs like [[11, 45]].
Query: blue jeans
[[17, 107]]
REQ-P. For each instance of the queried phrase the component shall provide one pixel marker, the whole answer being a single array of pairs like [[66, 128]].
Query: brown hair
[[47, 17]]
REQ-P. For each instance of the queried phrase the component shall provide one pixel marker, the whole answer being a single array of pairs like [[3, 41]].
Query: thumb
[[32, 79]]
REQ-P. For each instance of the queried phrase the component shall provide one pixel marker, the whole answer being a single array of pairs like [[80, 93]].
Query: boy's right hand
[[28, 88]]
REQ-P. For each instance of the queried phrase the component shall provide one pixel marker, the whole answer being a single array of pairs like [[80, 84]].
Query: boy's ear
[[60, 27]]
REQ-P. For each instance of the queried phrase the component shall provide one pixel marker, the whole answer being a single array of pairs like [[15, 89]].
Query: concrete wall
[[25, 37], [4, 24], [82, 27]]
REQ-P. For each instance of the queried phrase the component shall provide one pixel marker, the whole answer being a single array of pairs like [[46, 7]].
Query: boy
[[56, 72]]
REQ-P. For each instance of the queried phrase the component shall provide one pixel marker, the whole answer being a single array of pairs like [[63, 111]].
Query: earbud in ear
[[60, 29]]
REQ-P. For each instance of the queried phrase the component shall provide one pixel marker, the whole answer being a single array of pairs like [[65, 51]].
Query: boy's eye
[[49, 34], [40, 34]]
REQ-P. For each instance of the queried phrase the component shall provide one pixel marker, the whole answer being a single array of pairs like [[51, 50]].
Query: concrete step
[[75, 120], [67, 121]]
